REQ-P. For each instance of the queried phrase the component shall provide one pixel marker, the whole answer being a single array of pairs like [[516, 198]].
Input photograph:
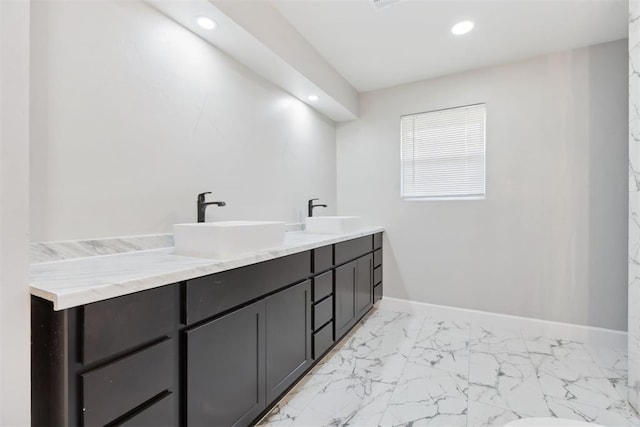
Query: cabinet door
[[364, 285], [345, 298], [288, 344], [225, 369]]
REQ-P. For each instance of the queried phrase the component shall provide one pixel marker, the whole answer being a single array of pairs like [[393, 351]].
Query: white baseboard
[[526, 325]]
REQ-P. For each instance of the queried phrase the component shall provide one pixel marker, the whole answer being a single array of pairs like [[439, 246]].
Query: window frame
[[471, 197]]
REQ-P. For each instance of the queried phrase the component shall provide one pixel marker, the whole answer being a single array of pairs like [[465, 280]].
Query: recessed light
[[462, 27], [206, 23], [313, 97]]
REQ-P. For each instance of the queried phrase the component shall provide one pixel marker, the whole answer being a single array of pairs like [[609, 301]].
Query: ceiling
[[410, 40]]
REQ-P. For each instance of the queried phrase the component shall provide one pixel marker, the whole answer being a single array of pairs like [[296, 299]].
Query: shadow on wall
[[392, 270], [607, 189]]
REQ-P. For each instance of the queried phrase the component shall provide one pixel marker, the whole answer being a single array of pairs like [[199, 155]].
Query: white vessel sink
[[227, 239], [332, 224]]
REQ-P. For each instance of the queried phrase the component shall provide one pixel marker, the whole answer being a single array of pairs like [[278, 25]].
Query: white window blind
[[443, 154]]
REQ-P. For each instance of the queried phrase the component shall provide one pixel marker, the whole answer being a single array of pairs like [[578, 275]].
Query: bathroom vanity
[[211, 350]]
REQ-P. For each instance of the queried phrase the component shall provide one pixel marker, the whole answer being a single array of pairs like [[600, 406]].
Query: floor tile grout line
[[427, 318], [535, 372], [599, 408], [598, 362], [503, 408], [424, 320], [394, 387]]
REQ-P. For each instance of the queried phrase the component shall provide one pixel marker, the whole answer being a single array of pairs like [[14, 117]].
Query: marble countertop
[[74, 282]]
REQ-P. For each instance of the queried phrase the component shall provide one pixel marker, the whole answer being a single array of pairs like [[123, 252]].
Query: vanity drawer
[[377, 257], [322, 285], [322, 340], [119, 324], [322, 258], [377, 275], [377, 241], [322, 313], [210, 295], [377, 292], [352, 249], [110, 391], [160, 413]]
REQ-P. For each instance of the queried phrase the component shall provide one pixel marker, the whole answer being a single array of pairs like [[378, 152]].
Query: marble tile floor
[[408, 369]]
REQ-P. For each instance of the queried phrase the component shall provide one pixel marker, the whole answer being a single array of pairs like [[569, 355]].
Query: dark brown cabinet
[[118, 324], [217, 350], [288, 343], [113, 362], [322, 286], [238, 362], [322, 340], [323, 312], [377, 268], [225, 369], [208, 296], [364, 285], [353, 293], [345, 298], [112, 390]]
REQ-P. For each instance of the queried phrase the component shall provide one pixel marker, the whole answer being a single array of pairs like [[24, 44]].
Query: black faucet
[[310, 206], [202, 205]]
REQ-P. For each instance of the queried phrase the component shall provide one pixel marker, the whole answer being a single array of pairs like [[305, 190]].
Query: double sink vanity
[[178, 336]]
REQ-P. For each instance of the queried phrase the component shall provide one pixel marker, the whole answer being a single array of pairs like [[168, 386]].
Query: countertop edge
[[89, 294]]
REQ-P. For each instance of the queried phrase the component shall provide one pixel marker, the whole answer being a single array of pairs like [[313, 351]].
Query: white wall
[[265, 22], [132, 116], [549, 240], [15, 389]]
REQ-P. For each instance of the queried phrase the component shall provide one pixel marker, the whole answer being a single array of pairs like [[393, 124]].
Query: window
[[443, 154]]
